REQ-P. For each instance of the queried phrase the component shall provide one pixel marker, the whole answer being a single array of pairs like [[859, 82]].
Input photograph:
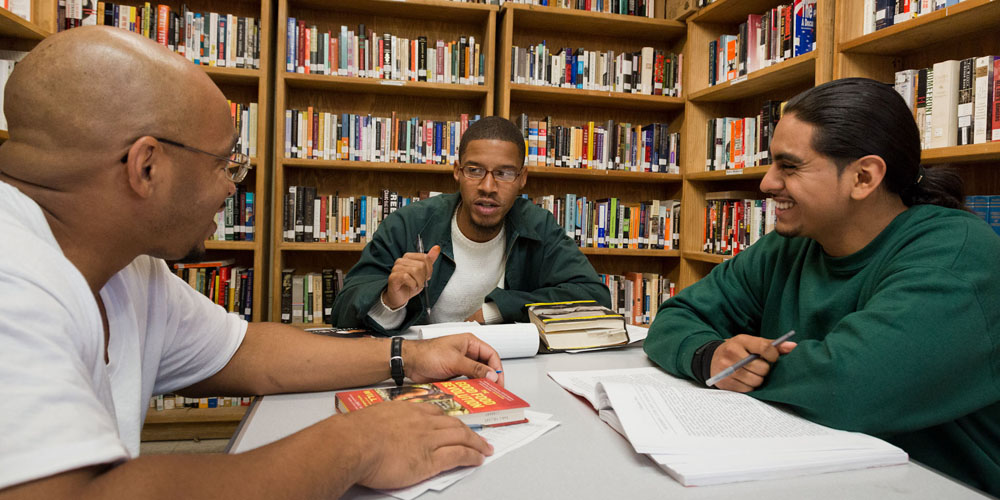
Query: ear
[[867, 174], [524, 178], [456, 172], [143, 165]]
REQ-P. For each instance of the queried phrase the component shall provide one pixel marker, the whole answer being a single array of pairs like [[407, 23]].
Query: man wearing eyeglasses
[[490, 251], [119, 155]]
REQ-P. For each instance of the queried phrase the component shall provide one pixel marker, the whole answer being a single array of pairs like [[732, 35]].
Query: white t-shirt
[[61, 406]]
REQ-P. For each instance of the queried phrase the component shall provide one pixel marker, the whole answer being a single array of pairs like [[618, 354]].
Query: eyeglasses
[[499, 175], [237, 164]]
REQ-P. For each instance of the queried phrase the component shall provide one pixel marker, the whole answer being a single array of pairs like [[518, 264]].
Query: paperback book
[[476, 402], [580, 324]]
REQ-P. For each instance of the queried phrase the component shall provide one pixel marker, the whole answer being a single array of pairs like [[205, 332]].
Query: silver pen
[[427, 298], [741, 363]]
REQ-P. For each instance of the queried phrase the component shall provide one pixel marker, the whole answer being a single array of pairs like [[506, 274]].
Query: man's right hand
[[751, 376], [401, 443], [408, 277]]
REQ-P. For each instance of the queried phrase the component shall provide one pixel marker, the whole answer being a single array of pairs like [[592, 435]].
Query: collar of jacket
[[434, 232]]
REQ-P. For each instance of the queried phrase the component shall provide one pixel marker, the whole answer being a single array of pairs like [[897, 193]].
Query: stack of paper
[[703, 436]]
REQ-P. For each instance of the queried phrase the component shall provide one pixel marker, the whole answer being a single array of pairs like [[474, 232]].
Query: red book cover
[[995, 135], [475, 402], [162, 19], [324, 209], [658, 75], [584, 157]]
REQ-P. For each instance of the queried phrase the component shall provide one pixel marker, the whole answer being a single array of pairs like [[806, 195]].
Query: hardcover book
[[579, 324], [476, 402]]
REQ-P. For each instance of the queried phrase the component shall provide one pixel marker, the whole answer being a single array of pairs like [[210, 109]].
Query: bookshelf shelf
[[411, 9], [12, 26], [730, 11], [248, 246], [972, 153], [580, 21], [602, 175], [370, 166], [958, 20], [385, 87], [233, 76], [192, 423], [727, 175], [711, 258], [630, 252], [580, 97], [789, 73], [320, 247]]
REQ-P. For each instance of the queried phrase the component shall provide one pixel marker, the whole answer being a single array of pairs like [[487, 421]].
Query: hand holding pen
[[409, 276], [741, 362]]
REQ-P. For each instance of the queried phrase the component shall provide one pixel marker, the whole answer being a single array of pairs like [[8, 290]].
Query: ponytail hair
[[857, 117]]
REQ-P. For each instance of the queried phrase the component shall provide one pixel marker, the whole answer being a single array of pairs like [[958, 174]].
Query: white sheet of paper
[[504, 440], [517, 340]]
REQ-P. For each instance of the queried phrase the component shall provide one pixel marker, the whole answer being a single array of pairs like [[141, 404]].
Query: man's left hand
[[451, 356]]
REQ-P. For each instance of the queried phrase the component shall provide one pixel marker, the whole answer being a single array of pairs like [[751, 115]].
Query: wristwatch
[[396, 360]]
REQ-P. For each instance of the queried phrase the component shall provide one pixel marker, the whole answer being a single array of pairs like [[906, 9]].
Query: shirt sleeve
[[200, 337], [869, 373]]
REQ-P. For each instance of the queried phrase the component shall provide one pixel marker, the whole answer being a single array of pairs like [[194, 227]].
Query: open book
[[703, 436]]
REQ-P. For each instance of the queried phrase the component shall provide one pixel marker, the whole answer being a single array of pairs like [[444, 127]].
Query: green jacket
[[543, 264], [900, 340]]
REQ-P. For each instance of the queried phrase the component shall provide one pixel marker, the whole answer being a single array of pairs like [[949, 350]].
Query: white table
[[583, 458]]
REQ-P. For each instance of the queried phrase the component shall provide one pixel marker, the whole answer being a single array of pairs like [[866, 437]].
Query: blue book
[[579, 69], [805, 27], [979, 205], [249, 221], [993, 216], [292, 40]]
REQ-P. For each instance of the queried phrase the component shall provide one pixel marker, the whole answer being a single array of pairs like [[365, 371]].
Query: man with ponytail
[[893, 290]]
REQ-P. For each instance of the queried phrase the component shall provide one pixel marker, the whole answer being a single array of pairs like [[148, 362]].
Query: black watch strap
[[701, 363], [396, 360]]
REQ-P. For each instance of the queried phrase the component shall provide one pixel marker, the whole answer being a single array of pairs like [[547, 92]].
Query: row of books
[[209, 38], [613, 223], [735, 220], [647, 71], [315, 134], [607, 146], [987, 208], [367, 54], [333, 218], [880, 14], [955, 102], [308, 298], [8, 58], [236, 221], [778, 34], [637, 296], [245, 121], [741, 142], [175, 401], [641, 8], [221, 281]]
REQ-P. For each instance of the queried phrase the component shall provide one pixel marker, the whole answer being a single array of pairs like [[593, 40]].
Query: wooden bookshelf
[[436, 19], [192, 423], [12, 26], [524, 25], [4, 135], [740, 97], [967, 29]]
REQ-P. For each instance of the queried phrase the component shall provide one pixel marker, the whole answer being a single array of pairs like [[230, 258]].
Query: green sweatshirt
[[900, 340], [543, 264]]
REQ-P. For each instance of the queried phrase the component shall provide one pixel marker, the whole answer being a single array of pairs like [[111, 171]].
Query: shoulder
[[423, 211], [527, 216], [945, 237]]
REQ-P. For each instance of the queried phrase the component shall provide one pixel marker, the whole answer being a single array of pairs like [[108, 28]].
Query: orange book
[[476, 402], [635, 280]]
